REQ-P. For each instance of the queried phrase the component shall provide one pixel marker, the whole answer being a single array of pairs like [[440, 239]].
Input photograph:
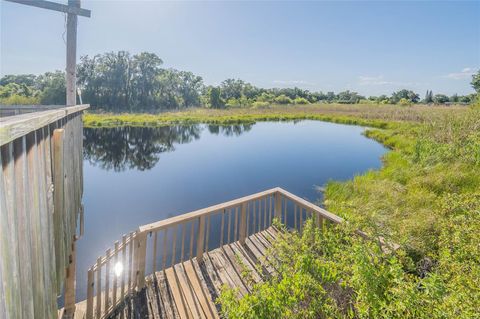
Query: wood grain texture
[[13, 127]]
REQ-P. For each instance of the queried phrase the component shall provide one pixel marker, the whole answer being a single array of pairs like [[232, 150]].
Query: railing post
[[70, 284], [243, 223], [140, 254], [90, 289], [58, 200], [278, 206], [200, 238]]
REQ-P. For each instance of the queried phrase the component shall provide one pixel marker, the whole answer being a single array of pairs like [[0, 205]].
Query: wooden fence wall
[[41, 185]]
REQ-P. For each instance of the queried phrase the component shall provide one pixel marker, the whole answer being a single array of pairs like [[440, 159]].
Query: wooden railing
[[41, 214], [157, 246]]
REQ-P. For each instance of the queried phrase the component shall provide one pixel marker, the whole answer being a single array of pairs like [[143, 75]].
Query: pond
[[135, 176]]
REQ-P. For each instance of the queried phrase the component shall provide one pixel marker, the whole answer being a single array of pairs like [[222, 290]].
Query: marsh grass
[[360, 114]]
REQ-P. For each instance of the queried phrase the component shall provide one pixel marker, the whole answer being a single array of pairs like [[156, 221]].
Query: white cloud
[[380, 81], [372, 80], [292, 82], [466, 73]]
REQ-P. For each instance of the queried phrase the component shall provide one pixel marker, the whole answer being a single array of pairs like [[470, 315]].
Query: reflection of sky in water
[[137, 176]]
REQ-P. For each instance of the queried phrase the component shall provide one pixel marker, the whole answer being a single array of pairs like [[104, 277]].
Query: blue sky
[[369, 47]]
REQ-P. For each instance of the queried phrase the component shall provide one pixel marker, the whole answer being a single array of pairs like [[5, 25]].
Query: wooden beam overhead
[[54, 6]]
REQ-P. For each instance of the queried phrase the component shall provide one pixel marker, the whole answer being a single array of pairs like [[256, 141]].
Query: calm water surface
[[135, 176]]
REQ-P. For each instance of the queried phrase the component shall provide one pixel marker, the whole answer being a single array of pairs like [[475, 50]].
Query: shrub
[[16, 99], [283, 99], [260, 105], [404, 102], [301, 100]]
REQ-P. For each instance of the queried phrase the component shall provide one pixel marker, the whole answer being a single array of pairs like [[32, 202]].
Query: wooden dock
[[175, 268]]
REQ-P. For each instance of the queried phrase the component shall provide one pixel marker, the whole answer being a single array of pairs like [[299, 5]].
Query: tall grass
[[425, 198]]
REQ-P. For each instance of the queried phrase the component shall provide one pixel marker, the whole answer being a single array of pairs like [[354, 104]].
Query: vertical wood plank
[[270, 210], [33, 214], [247, 205], [124, 266], [243, 223], [164, 249], [229, 225], [192, 228], [24, 240], [9, 235], [70, 283], [115, 274], [174, 245], [184, 225], [90, 290], [59, 212], [235, 237], [130, 260], [141, 247], [222, 227], [265, 213], [107, 279], [258, 203], [99, 287], [254, 217], [278, 206], [301, 219], [155, 235], [208, 221], [295, 217], [50, 230], [200, 238]]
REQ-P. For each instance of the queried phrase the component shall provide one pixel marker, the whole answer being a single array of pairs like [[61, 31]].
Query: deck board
[[190, 289]]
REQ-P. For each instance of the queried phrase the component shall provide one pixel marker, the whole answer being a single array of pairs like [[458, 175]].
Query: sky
[[369, 47]]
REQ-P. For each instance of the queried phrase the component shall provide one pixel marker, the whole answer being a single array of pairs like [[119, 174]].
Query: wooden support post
[[140, 258], [200, 238], [278, 206], [90, 290], [58, 201], [98, 310], [70, 284], [71, 54], [243, 223]]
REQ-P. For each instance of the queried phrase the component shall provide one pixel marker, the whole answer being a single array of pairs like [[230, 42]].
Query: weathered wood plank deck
[[190, 289]]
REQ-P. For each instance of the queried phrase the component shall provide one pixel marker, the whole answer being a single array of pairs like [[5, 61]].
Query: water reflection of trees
[[229, 130], [123, 148], [133, 147]]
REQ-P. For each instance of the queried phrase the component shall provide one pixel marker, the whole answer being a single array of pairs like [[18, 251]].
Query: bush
[[16, 99], [404, 102], [283, 99], [301, 100], [232, 103], [260, 105]]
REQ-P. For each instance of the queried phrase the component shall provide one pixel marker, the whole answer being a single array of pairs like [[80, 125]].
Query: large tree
[[476, 82]]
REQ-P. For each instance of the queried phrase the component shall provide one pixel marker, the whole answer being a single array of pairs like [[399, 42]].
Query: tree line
[[122, 82]]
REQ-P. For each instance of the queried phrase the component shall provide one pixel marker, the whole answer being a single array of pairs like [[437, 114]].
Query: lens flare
[[118, 269]]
